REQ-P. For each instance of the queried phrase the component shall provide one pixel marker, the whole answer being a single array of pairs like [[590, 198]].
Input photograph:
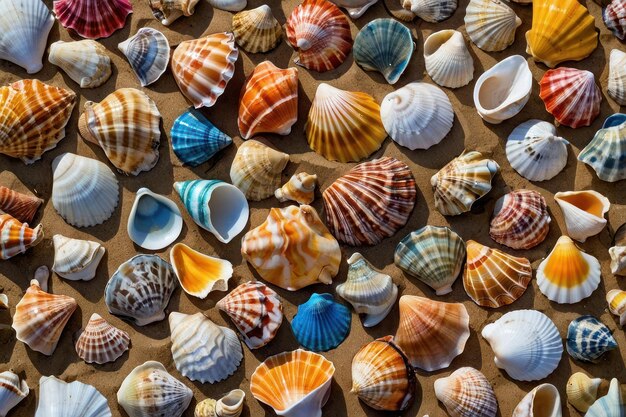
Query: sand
[[469, 132]]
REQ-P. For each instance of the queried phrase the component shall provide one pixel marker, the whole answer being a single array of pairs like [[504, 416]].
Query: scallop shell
[[542, 401], [464, 180], [520, 220], [583, 212], [199, 274], [33, 116], [448, 62], [618, 251], [85, 62], [321, 323], [588, 339], [140, 289], [320, 33], [76, 259], [203, 67], [371, 202], [432, 11], [431, 333], [85, 192], [154, 221], [58, 398], [355, 8], [582, 391], [417, 116], [292, 248], [12, 391], [16, 237], [617, 76], [21, 206], [92, 19], [611, 405], [100, 342], [526, 344], [167, 11], [202, 350], [256, 311], [491, 24], [195, 139], [268, 101], [614, 16], [300, 188], [467, 393], [148, 53], [616, 299], [257, 30], [608, 142], [230, 405]]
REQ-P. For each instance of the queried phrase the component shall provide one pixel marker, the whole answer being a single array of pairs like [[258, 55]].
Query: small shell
[[76, 259], [86, 62], [355, 8], [617, 76], [611, 405], [467, 393], [543, 401], [588, 339], [432, 11], [491, 24], [448, 62], [21, 206], [583, 212], [16, 237], [101, 342], [12, 391], [321, 323], [257, 30], [199, 274], [230, 405], [167, 11], [300, 188], [229, 5], [614, 16], [618, 251], [92, 19], [148, 53], [154, 221], [4, 302], [58, 398], [195, 139], [582, 391], [608, 142], [616, 299]]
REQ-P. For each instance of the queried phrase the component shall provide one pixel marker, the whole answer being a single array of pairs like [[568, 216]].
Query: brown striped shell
[[101, 342], [257, 30], [467, 393], [21, 206]]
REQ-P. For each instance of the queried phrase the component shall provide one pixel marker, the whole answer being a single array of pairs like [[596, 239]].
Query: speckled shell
[[608, 143], [491, 24], [58, 398], [447, 59], [257, 30], [321, 323], [76, 259], [616, 299], [611, 405], [300, 188], [86, 62], [148, 53], [12, 391], [92, 19], [543, 400], [21, 206], [588, 339], [582, 391], [467, 393], [614, 16], [583, 212], [617, 76], [432, 11], [195, 139], [16, 237], [199, 274], [100, 342], [167, 11]]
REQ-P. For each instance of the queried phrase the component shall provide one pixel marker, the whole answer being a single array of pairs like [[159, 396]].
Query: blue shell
[[611, 405], [194, 138], [606, 153], [148, 53], [614, 120], [321, 323], [588, 339], [384, 45]]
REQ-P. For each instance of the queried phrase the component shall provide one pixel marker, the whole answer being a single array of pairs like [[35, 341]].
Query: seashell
[[320, 33], [137, 394], [85, 192], [307, 255], [432, 11], [493, 278], [154, 221], [4, 302], [33, 116], [371, 202], [344, 126], [386, 46], [562, 30], [526, 344], [256, 311], [600, 153], [92, 19], [278, 383], [85, 62], [467, 393], [230, 405], [432, 254], [21, 206], [269, 101], [582, 391], [195, 139], [448, 62], [588, 339], [197, 273], [618, 252], [535, 151], [431, 333], [503, 90], [229, 5], [76, 259], [355, 8], [12, 391], [382, 377], [583, 212], [126, 126], [257, 30], [369, 291], [491, 24], [202, 350], [140, 289], [464, 180], [17, 237], [614, 16], [216, 206], [520, 220], [321, 323], [616, 299], [417, 116], [543, 400], [101, 342], [58, 398], [611, 405], [203, 67], [617, 76], [148, 53], [300, 188], [167, 11]]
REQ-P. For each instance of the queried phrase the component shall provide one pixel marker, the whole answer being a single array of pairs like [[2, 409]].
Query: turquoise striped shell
[[195, 139], [588, 339], [606, 153], [321, 323], [611, 405], [148, 53]]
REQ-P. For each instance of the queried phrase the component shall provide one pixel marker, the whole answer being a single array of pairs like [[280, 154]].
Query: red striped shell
[[101, 342], [92, 19], [614, 16], [371, 202], [571, 96], [21, 206]]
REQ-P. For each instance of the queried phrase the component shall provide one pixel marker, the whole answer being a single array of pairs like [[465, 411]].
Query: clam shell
[[588, 339], [154, 221], [608, 142], [195, 139], [432, 11], [199, 274], [614, 16], [92, 19], [583, 212], [21, 206], [582, 391], [85, 62], [76, 259], [58, 398], [167, 11], [611, 405], [448, 62], [300, 188], [467, 393], [616, 299], [230, 405], [16, 237], [101, 342], [321, 323], [491, 24], [617, 76], [12, 391], [257, 30], [542, 401], [148, 53]]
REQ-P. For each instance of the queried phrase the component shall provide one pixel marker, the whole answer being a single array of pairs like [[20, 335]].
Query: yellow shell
[[300, 188], [199, 274], [257, 30], [582, 391], [616, 300], [86, 62]]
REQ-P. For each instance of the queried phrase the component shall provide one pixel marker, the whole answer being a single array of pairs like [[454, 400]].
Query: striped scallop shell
[[100, 342], [257, 30], [491, 24], [86, 62], [16, 237], [616, 299], [432, 11], [467, 393], [21, 206], [448, 61], [203, 67], [167, 11], [617, 76], [608, 142], [58, 398], [588, 339], [199, 274], [611, 405], [148, 53], [92, 19], [76, 259], [614, 16], [321, 323], [371, 202], [12, 391], [582, 391]]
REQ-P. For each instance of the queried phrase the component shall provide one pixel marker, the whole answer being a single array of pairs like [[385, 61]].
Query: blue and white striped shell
[[195, 139], [321, 323], [605, 153], [58, 398], [611, 405], [588, 339], [148, 53]]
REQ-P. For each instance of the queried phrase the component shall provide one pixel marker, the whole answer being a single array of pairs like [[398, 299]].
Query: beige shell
[[230, 405], [4, 302], [257, 30], [491, 24], [448, 61], [86, 62], [617, 76], [583, 212], [76, 259], [582, 391], [542, 401], [616, 299], [300, 188]]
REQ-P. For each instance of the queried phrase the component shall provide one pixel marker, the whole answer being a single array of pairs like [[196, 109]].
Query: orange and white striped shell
[[371, 202], [21, 206], [33, 116], [203, 67], [100, 342], [467, 393], [16, 237], [616, 299], [300, 188], [126, 126]]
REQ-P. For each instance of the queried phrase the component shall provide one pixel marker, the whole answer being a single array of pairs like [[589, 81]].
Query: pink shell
[[614, 16], [92, 19]]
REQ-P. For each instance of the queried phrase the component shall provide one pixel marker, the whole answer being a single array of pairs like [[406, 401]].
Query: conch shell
[[167, 11], [582, 391]]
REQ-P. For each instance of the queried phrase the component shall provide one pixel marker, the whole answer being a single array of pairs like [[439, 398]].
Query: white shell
[[618, 260], [417, 116], [58, 398], [86, 62], [148, 53], [229, 5], [230, 405], [542, 401], [76, 259], [12, 391], [503, 90], [611, 405], [448, 62], [526, 344], [491, 24], [617, 76], [154, 221], [581, 224], [432, 11], [355, 8]]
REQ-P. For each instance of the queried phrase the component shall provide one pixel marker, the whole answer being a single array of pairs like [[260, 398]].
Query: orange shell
[[16, 237], [21, 206]]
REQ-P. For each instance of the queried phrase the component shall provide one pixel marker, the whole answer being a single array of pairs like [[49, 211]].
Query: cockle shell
[[268, 101], [616, 299], [467, 393], [256, 310], [148, 53], [320, 33], [611, 405], [300, 188], [617, 252], [382, 376], [520, 220], [33, 116], [588, 339], [448, 62], [154, 221], [195, 139], [100, 342], [76, 259], [150, 391], [614, 16], [371, 202], [542, 401], [431, 333], [12, 391], [417, 116], [464, 180], [167, 11], [526, 344], [17, 237], [197, 273], [257, 30], [92, 19], [355, 8], [58, 398], [321, 323], [617, 76], [278, 382], [86, 62], [230, 405], [493, 278], [21, 206], [583, 212], [491, 24], [203, 67], [582, 391], [369, 291], [432, 11], [608, 142], [140, 289], [202, 350]]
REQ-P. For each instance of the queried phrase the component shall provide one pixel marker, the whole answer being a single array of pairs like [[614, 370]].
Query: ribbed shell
[[582, 391], [447, 59], [199, 274], [588, 339], [300, 188], [616, 299], [614, 16], [148, 53], [611, 405], [167, 11], [76, 259], [230, 405], [100, 342], [58, 398], [617, 76], [86, 62], [21, 206], [432, 11], [467, 393], [16, 237], [605, 153], [491, 24], [12, 391], [92, 19], [257, 30], [321, 323]]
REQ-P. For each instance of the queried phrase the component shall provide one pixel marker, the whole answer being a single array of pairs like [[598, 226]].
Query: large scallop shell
[[92, 19], [542, 401], [611, 405], [86, 62], [12, 391], [58, 398], [321, 323], [588, 339], [148, 53], [195, 139], [257, 30], [582, 391], [583, 212], [616, 299], [491, 24], [617, 76], [300, 188], [467, 393], [76, 259], [432, 11], [614, 16], [21, 206], [199, 274], [100, 342], [167, 11], [154, 221], [600, 153], [448, 61], [16, 237]]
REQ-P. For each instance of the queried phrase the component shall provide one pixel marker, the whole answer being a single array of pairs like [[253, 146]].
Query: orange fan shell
[[16, 237]]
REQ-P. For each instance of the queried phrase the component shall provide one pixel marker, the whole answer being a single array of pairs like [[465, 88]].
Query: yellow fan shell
[[199, 274]]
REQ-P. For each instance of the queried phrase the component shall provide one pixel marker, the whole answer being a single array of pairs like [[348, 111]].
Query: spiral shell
[[543, 400], [167, 11], [230, 405], [616, 299], [300, 188], [582, 391]]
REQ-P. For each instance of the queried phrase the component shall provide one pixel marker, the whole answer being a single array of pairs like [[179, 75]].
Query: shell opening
[[226, 221]]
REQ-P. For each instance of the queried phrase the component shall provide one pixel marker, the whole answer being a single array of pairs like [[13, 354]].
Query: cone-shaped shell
[[321, 323], [617, 76], [12, 391], [230, 405], [300, 188], [101, 342], [600, 153], [58, 398], [543, 400], [167, 11], [582, 391], [86, 62], [432, 11], [588, 339], [269, 101], [16, 237], [583, 212], [431, 333], [467, 393], [611, 405], [195, 139], [371, 202], [199, 274], [92, 19], [448, 61], [148, 53], [21, 206], [614, 16], [154, 221], [257, 30], [491, 24], [616, 299], [76, 259]]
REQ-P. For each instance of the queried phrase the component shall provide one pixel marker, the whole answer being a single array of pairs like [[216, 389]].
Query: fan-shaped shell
[[614, 16], [321, 323], [448, 62], [199, 274], [432, 11], [58, 398], [148, 53], [542, 401], [21, 206], [100, 342], [76, 259], [257, 30], [92, 19], [86, 62], [588, 339], [467, 393], [300, 188], [12, 391], [611, 405], [195, 139], [616, 299], [491, 24], [617, 76], [230, 405], [582, 391], [17, 237], [608, 142], [583, 212], [167, 11], [154, 221]]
